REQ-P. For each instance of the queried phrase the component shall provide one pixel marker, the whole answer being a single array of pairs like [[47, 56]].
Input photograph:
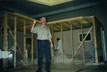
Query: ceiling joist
[[76, 22]]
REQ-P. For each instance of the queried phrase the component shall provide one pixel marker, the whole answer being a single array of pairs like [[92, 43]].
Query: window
[[88, 38]]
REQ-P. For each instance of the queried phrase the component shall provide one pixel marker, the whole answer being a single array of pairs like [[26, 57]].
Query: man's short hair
[[42, 18]]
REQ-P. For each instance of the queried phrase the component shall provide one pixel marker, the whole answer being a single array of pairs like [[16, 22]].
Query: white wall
[[67, 42]]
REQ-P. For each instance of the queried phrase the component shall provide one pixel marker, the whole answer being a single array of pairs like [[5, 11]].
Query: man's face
[[43, 20]]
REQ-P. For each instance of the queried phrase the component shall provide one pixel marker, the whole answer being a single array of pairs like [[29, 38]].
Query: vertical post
[[72, 44], [5, 46], [53, 32], [62, 41], [95, 40], [32, 48], [24, 42], [83, 41], [15, 40], [52, 50]]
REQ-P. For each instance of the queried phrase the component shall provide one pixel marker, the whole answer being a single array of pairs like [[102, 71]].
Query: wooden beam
[[95, 40], [64, 20], [69, 19], [66, 26], [24, 42], [5, 44], [20, 20], [52, 50], [61, 32], [87, 20], [68, 23], [25, 17], [82, 31], [62, 40], [72, 41], [5, 32], [56, 27], [78, 23], [77, 49], [52, 32], [74, 25], [15, 40], [32, 48]]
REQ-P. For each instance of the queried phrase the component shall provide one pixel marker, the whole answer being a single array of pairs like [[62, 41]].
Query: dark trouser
[[44, 48]]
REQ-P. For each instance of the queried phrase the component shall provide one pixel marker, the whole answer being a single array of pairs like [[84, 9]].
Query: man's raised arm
[[33, 26]]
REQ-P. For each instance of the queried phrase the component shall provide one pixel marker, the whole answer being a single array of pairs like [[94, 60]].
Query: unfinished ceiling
[[75, 23], [50, 2], [37, 10]]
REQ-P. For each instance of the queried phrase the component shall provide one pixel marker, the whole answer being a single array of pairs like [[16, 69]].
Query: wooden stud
[[61, 32], [5, 32], [32, 48], [15, 40], [72, 43], [62, 41], [5, 45], [24, 42], [83, 41], [52, 29], [52, 32], [95, 40]]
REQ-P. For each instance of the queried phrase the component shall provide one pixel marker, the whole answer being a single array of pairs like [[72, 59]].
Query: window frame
[[85, 40]]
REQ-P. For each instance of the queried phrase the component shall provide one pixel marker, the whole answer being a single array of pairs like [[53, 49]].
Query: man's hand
[[34, 21]]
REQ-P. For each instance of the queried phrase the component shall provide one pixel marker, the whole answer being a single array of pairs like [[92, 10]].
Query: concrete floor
[[66, 68]]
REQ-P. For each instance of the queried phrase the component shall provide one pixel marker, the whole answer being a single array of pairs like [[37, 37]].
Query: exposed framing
[[60, 24], [14, 36]]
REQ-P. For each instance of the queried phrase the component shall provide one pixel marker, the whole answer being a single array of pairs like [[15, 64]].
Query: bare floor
[[65, 68]]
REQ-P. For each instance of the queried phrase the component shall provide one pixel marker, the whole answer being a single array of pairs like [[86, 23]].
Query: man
[[44, 43]]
